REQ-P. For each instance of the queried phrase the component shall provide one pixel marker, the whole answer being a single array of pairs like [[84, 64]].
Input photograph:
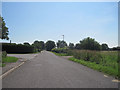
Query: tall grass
[[105, 58], [107, 61]]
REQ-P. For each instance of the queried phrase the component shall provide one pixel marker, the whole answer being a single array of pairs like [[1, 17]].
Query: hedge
[[17, 48]]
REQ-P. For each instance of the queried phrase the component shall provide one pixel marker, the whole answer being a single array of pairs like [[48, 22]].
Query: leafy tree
[[71, 46], [42, 45], [36, 45], [77, 46], [26, 43], [3, 29], [104, 47], [50, 45], [61, 44], [90, 44], [39, 45]]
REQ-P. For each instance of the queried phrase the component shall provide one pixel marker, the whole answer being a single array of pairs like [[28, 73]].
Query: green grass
[[9, 59], [2, 65], [106, 69], [61, 54]]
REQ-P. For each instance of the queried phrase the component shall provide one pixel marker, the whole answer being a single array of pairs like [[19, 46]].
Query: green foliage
[[3, 29], [26, 43], [71, 45], [77, 46], [60, 50], [9, 59], [61, 44], [2, 64], [106, 69], [89, 44], [42, 45], [4, 54], [50, 45], [107, 58], [104, 47], [39, 45], [17, 48], [60, 54]]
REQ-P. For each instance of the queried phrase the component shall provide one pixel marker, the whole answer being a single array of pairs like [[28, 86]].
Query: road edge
[[11, 70]]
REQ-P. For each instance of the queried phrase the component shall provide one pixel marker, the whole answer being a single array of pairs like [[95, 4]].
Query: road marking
[[9, 71], [115, 80], [105, 76]]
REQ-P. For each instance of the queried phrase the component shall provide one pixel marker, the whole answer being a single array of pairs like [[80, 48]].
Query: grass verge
[[106, 69], [2, 65], [9, 59]]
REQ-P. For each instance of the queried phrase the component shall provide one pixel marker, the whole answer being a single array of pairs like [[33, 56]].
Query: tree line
[[85, 44]]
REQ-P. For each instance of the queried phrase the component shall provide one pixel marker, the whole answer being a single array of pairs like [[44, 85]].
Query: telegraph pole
[[10, 41], [63, 41], [63, 37]]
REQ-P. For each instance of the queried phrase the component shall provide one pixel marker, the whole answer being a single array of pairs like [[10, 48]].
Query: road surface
[[23, 56], [47, 70]]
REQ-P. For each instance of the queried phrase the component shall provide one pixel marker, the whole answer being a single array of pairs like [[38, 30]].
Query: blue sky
[[30, 21]]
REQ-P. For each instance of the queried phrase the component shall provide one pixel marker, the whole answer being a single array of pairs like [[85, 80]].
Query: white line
[[6, 73]]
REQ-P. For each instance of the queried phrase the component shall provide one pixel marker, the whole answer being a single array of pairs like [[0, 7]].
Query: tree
[[39, 45], [104, 47], [3, 29], [89, 44], [42, 45], [77, 46], [26, 43], [61, 44], [36, 45], [71, 46], [50, 45]]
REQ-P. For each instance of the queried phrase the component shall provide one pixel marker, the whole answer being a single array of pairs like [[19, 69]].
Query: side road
[[22, 58]]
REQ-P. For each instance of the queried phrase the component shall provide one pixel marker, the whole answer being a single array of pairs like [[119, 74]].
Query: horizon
[[30, 21]]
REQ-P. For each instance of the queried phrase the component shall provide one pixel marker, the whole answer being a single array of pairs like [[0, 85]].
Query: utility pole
[[63, 37], [63, 41], [10, 41]]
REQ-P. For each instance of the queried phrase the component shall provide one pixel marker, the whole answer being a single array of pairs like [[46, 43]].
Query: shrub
[[4, 54], [60, 50], [70, 52], [17, 48]]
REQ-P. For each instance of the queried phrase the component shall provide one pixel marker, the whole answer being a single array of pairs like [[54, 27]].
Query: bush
[[70, 52], [60, 50], [17, 48], [4, 54]]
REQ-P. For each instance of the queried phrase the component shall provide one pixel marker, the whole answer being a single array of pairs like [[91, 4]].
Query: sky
[[43, 21]]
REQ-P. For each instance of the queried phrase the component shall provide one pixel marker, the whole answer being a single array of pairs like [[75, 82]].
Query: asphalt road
[[23, 56], [47, 70]]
